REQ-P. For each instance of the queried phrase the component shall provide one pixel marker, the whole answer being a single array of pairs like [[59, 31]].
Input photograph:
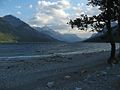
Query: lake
[[31, 49]]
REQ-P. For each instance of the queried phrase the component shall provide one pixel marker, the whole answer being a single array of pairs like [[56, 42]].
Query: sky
[[52, 13]]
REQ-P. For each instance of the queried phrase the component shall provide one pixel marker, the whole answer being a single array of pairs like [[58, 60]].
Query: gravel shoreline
[[74, 72]]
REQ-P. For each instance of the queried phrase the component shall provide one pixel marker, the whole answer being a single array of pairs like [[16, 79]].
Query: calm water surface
[[30, 49]]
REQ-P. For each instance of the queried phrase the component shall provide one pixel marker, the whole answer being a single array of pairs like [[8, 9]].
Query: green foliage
[[7, 38], [6, 34]]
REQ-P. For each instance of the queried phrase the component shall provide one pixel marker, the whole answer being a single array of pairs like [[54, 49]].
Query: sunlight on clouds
[[51, 12], [64, 4], [18, 13], [56, 15], [79, 33], [41, 19], [92, 10], [83, 9]]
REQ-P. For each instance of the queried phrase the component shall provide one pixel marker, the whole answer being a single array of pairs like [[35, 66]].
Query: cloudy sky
[[53, 13]]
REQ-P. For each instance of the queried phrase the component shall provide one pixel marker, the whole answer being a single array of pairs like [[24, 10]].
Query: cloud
[[84, 9], [56, 14], [92, 10], [18, 13], [41, 19], [30, 6], [51, 13]]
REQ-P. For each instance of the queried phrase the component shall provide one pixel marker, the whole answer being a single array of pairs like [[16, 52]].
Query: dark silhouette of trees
[[98, 22], [117, 16], [114, 11], [114, 7]]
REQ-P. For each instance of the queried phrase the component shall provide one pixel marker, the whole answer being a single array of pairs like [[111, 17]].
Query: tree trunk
[[113, 50], [119, 26], [112, 43], [112, 58], [110, 35], [119, 35]]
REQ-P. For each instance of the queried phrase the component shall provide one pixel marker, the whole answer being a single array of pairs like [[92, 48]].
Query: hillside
[[13, 29], [103, 37], [6, 32], [56, 35]]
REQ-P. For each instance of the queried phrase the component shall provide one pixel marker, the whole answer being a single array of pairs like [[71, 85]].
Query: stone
[[118, 75], [67, 77], [103, 73], [83, 71], [50, 84], [98, 75], [88, 76], [108, 68], [38, 51], [77, 88], [70, 58]]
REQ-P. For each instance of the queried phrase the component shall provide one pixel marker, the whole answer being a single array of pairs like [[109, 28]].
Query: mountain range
[[55, 34], [12, 29], [103, 36]]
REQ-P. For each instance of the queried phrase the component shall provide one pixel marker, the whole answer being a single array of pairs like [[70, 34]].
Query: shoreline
[[47, 55], [24, 72]]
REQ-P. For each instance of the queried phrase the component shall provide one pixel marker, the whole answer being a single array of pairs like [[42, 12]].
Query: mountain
[[56, 35], [6, 32], [13, 29], [103, 37]]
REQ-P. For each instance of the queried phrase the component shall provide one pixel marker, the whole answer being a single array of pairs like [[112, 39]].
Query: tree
[[114, 8], [97, 22], [115, 12]]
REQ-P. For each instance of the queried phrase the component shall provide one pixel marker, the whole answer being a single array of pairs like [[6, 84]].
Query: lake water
[[35, 49]]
